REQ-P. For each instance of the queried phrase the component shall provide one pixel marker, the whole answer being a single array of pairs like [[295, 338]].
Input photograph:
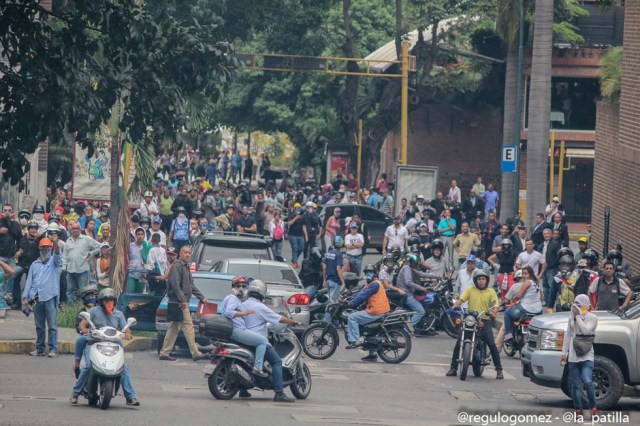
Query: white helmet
[[309, 204], [53, 226], [257, 288], [148, 194], [518, 274]]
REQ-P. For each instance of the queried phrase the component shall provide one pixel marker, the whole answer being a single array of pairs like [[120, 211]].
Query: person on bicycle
[[479, 297], [377, 305]]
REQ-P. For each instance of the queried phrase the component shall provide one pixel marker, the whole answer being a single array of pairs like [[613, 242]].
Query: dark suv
[[212, 247], [376, 221]]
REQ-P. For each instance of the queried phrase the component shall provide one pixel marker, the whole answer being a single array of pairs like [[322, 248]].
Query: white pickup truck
[[616, 370]]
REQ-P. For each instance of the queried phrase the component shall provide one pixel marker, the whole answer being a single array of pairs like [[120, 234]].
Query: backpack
[[278, 233]]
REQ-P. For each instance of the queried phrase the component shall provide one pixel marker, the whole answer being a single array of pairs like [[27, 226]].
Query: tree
[[539, 110], [611, 75]]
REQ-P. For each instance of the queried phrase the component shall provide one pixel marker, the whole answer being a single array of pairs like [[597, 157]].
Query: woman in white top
[[527, 301], [581, 322], [276, 232]]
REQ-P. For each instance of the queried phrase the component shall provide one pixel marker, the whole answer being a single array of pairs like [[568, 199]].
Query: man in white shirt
[[155, 229], [148, 207], [454, 190], [157, 257], [551, 209], [395, 235], [354, 242], [532, 258], [465, 277]]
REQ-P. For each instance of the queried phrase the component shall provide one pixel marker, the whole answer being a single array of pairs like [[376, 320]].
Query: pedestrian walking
[[181, 288], [42, 290]]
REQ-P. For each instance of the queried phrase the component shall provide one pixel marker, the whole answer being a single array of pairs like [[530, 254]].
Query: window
[[372, 215], [213, 288], [213, 253], [268, 273]]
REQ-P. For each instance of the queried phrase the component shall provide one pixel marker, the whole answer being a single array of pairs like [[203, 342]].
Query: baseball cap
[[297, 205], [103, 245], [157, 219], [556, 199], [583, 240], [420, 196], [471, 258], [309, 204], [172, 250], [422, 225], [353, 225]]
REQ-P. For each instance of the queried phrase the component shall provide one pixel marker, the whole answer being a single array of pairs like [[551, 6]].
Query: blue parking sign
[[509, 159]]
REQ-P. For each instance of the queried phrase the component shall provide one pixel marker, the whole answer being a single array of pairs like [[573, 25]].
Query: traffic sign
[[509, 159]]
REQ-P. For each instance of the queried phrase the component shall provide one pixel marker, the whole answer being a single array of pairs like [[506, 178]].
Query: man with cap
[[354, 242], [227, 220], [148, 207], [583, 244], [156, 226]]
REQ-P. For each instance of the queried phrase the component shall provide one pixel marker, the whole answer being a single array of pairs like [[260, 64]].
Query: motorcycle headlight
[[108, 350], [469, 321], [551, 340]]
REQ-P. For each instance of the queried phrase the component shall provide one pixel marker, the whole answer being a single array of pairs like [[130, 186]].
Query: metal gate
[[577, 190]]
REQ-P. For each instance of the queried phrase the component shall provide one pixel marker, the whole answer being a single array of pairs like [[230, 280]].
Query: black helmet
[[415, 249], [145, 219], [26, 214], [107, 294], [565, 251], [54, 218], [395, 252], [592, 257], [565, 265], [480, 273], [389, 260], [39, 208], [181, 209], [615, 256], [437, 243], [413, 240], [506, 244], [66, 206]]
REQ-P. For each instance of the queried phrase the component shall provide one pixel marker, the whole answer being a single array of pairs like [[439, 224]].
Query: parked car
[[284, 289], [212, 247], [617, 354], [376, 221]]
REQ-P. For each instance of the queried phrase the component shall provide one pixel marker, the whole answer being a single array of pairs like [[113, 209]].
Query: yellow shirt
[[466, 242], [165, 206], [479, 300]]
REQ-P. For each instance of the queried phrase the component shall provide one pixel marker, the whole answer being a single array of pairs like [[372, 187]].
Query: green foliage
[[611, 75], [68, 315]]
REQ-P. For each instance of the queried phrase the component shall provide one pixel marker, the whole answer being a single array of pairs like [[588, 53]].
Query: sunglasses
[[7, 210]]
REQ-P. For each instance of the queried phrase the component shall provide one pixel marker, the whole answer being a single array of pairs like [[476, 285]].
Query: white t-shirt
[[352, 239], [163, 237], [157, 255], [396, 236], [534, 260]]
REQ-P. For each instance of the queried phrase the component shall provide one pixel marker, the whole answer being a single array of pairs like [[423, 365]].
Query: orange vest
[[378, 303]]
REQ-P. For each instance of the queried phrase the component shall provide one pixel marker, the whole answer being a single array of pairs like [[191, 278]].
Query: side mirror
[[85, 316], [130, 323]]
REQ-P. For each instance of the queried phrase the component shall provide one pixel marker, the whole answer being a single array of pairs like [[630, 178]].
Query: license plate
[[208, 369]]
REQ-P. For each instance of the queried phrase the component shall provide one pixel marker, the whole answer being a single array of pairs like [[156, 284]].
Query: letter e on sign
[[508, 154]]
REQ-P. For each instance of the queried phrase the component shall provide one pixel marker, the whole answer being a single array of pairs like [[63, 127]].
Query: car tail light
[[221, 351], [192, 267], [299, 299], [162, 313]]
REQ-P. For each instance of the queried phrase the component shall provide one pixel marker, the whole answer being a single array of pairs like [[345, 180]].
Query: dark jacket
[[551, 258], [30, 251], [470, 209], [9, 240], [536, 233], [181, 284], [182, 202], [310, 273], [362, 229]]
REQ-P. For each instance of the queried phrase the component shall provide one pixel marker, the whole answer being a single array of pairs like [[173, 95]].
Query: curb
[[66, 347]]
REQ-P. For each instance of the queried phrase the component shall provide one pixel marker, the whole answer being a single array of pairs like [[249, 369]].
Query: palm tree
[[610, 75], [539, 109], [508, 26]]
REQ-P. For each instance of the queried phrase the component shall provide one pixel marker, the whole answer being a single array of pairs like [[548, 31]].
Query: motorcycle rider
[[377, 306], [406, 282], [257, 322], [311, 272], [231, 309], [436, 263], [511, 294], [104, 315], [565, 278], [526, 301], [385, 275], [479, 297]]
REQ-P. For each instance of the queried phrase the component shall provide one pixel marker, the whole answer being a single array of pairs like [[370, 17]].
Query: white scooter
[[107, 362]]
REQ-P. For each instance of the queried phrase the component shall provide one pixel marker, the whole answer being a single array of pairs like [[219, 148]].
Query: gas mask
[[45, 254], [565, 270], [369, 277], [182, 216], [38, 217], [239, 292]]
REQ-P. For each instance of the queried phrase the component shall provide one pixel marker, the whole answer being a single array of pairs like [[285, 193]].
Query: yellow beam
[[404, 119], [561, 170], [551, 164], [359, 152]]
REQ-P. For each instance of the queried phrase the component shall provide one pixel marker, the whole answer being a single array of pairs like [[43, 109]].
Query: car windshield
[[212, 253], [632, 311], [213, 288], [275, 274]]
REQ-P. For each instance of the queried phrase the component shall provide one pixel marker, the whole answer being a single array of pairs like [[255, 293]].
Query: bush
[[67, 316]]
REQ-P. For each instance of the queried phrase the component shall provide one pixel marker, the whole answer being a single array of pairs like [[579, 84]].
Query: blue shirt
[[231, 305], [211, 173], [237, 161], [101, 318], [333, 259], [258, 321], [44, 279], [491, 198], [444, 229]]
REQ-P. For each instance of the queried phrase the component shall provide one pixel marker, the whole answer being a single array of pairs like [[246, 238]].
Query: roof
[[226, 237], [250, 261]]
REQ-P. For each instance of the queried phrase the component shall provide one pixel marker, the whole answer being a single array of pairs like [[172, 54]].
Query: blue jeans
[[582, 374], [355, 320], [356, 263], [276, 368], [127, 385], [277, 247], [334, 294], [513, 314], [15, 280], [415, 305], [81, 343], [178, 244], [312, 291], [47, 311], [76, 281], [251, 338], [550, 287], [297, 247]]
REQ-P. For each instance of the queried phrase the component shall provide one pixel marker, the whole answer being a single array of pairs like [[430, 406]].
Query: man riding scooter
[[377, 306], [406, 282], [105, 315]]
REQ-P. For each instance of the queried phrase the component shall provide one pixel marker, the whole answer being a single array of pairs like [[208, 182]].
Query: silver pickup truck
[[616, 370]]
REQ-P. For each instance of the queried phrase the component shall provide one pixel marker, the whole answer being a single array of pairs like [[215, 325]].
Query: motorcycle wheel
[[478, 365], [320, 342], [510, 348], [106, 392], [220, 384], [301, 386], [449, 325], [398, 349], [466, 359]]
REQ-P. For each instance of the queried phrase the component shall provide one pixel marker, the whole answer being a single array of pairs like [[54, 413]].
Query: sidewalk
[[18, 336]]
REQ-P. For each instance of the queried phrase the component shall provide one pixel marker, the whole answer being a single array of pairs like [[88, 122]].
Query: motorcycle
[[388, 336], [107, 362], [231, 363], [437, 302], [473, 351], [320, 301], [520, 335]]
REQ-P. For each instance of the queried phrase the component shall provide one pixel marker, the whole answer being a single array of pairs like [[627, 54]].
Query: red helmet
[[239, 279], [45, 242]]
